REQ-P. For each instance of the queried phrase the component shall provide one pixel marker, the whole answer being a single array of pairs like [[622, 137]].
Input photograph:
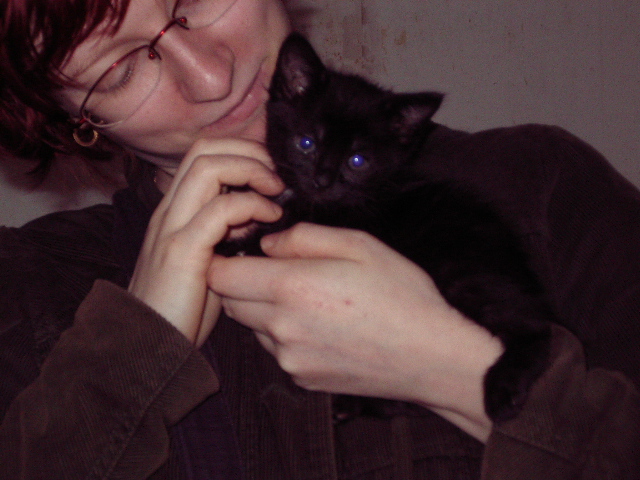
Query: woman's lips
[[254, 100]]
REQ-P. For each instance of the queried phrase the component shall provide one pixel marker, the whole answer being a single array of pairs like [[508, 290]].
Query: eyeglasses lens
[[127, 84]]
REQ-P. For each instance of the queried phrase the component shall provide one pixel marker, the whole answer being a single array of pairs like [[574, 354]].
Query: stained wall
[[572, 63]]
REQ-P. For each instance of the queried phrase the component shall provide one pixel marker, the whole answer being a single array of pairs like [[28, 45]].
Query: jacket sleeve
[[106, 395], [583, 417], [577, 424]]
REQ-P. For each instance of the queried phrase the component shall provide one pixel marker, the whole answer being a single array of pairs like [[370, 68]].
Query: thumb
[[309, 240]]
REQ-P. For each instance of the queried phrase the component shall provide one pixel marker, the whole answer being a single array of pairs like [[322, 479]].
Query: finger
[[246, 278], [253, 315], [204, 179], [219, 148], [209, 317], [211, 223], [307, 240], [233, 146], [267, 342], [208, 151]]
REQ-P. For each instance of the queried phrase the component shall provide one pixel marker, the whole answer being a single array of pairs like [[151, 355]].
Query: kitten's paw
[[507, 383], [505, 393]]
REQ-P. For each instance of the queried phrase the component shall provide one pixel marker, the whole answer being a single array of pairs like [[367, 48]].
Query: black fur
[[346, 149]]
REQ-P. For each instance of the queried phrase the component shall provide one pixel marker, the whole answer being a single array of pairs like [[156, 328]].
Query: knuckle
[[282, 333], [201, 166], [228, 309], [235, 202], [358, 239], [306, 383], [292, 286], [361, 244], [300, 230], [286, 363], [290, 363], [175, 245], [297, 234], [200, 145], [156, 221], [202, 170], [212, 146]]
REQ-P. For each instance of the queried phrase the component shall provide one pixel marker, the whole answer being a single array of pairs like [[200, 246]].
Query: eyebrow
[[87, 63], [100, 34]]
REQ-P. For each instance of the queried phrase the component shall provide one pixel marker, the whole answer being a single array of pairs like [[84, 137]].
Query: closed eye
[[121, 73]]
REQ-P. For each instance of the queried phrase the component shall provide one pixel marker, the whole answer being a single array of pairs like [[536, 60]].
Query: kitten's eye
[[306, 144], [356, 162]]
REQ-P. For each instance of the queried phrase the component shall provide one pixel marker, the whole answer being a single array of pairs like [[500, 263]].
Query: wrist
[[454, 389]]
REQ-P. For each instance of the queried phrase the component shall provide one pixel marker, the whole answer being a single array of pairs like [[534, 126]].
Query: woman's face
[[214, 80]]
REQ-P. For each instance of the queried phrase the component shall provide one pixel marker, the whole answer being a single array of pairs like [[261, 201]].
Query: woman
[[151, 382]]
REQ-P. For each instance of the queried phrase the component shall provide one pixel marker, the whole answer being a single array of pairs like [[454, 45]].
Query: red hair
[[36, 37]]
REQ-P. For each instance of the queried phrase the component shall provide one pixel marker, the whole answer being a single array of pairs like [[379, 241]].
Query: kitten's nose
[[322, 180]]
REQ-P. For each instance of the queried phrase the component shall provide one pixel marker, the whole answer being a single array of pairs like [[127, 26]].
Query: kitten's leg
[[515, 312], [508, 381]]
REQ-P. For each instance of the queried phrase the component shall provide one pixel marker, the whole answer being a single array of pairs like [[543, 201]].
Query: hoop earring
[[81, 131]]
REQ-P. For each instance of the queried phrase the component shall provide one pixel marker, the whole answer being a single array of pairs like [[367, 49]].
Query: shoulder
[[528, 171], [505, 139], [49, 265], [94, 223], [76, 236], [578, 220], [85, 233], [510, 153]]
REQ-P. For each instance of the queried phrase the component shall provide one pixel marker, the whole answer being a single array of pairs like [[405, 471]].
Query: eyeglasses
[[128, 82]]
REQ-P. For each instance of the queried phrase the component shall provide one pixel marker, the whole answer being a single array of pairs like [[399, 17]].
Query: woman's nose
[[202, 67]]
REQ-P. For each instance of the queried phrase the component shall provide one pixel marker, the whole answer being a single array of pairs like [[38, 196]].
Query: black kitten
[[347, 150]]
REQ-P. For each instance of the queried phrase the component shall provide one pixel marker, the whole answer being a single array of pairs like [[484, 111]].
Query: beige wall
[[573, 63]]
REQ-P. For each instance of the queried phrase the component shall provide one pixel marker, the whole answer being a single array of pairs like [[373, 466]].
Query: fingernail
[[268, 241], [277, 209]]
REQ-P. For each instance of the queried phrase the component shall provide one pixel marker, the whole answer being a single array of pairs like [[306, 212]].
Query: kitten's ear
[[410, 111], [299, 69]]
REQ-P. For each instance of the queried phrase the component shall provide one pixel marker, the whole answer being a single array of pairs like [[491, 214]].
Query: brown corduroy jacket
[[103, 399]]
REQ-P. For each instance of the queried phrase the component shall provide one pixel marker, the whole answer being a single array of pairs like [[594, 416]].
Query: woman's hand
[[170, 275], [344, 313]]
